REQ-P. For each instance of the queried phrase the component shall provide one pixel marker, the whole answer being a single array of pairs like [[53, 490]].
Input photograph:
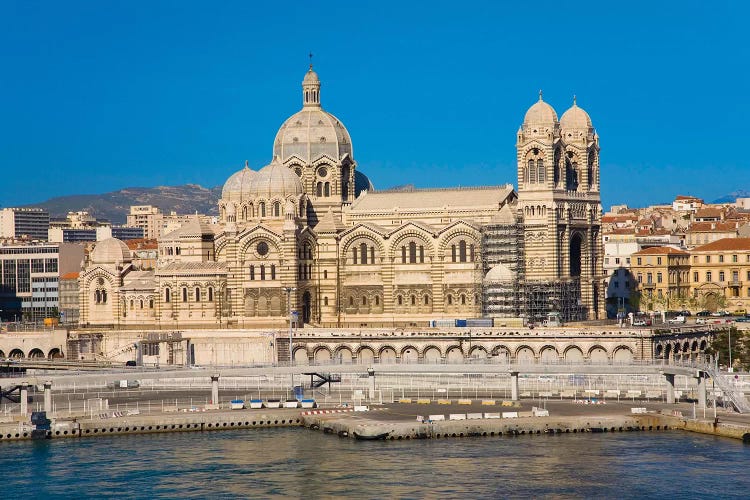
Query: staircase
[[282, 350], [737, 397]]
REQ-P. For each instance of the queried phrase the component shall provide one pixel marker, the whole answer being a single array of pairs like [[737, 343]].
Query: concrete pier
[[48, 397], [701, 390], [514, 386], [215, 389], [24, 400], [669, 378]]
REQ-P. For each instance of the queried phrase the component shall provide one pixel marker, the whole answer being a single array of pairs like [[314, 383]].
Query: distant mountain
[[732, 197], [115, 206]]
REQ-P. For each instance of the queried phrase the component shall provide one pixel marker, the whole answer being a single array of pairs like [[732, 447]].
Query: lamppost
[[288, 290], [729, 369]]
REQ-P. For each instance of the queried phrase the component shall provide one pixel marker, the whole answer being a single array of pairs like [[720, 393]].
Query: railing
[[736, 397]]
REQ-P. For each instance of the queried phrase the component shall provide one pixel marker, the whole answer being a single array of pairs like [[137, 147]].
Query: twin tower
[[560, 206]]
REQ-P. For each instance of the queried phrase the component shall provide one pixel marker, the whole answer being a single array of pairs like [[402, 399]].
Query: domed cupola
[[110, 251], [540, 115], [576, 118], [237, 187], [312, 132], [275, 181]]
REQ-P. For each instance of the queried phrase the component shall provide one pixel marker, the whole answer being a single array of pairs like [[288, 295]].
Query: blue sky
[[97, 96]]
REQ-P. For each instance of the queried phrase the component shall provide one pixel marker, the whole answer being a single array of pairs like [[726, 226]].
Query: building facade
[[720, 275], [309, 233], [24, 223]]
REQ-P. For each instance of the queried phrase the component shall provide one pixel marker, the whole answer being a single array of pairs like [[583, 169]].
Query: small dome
[[110, 251], [500, 273], [362, 183], [237, 187], [275, 181], [311, 76], [540, 113], [575, 117]]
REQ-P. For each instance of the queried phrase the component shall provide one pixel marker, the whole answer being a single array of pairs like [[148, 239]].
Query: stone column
[[215, 389], [48, 397], [670, 387], [24, 400], [514, 386], [701, 390]]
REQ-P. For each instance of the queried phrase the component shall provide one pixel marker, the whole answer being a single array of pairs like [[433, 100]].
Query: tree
[[719, 347]]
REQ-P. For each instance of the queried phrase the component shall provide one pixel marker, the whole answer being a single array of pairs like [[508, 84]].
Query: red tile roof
[[725, 244], [69, 276], [661, 251]]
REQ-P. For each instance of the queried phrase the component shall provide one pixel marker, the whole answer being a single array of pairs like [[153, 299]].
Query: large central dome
[[311, 132]]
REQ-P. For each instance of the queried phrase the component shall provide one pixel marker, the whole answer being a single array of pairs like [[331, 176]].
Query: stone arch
[[322, 355], [410, 234], [598, 354], [366, 355], [301, 356], [356, 237], [16, 354], [387, 354], [549, 355], [432, 355], [694, 346], [2, 354], [622, 355], [478, 352], [454, 354], [525, 355], [500, 354], [36, 353], [573, 354], [576, 254], [659, 349], [409, 354], [54, 353], [343, 355], [703, 345]]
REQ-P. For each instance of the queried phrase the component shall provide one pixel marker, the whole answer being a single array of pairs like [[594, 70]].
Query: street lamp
[[288, 290]]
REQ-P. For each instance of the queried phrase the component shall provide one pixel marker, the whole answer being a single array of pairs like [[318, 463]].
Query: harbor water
[[297, 463]]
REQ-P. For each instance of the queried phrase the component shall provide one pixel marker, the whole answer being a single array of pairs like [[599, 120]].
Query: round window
[[262, 248], [100, 281], [322, 172]]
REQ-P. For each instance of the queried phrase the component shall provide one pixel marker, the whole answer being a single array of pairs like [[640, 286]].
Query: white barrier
[[491, 415], [435, 418], [457, 416], [291, 404], [538, 412], [510, 414], [473, 416], [361, 408], [638, 410]]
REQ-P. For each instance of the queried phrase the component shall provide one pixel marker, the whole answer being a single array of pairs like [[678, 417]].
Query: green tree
[[719, 347]]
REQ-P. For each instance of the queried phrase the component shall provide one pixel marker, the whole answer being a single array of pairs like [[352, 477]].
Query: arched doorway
[[306, 301], [576, 242]]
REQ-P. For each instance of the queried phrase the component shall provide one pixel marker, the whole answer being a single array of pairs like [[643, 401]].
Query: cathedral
[[308, 235]]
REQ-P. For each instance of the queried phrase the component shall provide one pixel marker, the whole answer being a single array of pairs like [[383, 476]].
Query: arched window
[[450, 300], [377, 300], [453, 253], [372, 255], [363, 252], [262, 209], [104, 296], [131, 304], [210, 294], [351, 301], [462, 251], [400, 300], [184, 294], [354, 254], [540, 171], [140, 304], [151, 303], [262, 273], [403, 255], [414, 300], [319, 189], [273, 272], [463, 299], [325, 274], [244, 213], [325, 301], [97, 296], [197, 294], [327, 189], [426, 300], [412, 253], [252, 272], [276, 209], [364, 300], [529, 176], [471, 252], [421, 254], [167, 294]]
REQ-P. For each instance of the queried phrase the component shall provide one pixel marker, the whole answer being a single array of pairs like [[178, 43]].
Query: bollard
[[215, 389], [514, 386], [24, 400], [371, 383], [48, 397]]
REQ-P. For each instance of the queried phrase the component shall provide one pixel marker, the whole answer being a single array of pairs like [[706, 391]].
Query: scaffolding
[[513, 296]]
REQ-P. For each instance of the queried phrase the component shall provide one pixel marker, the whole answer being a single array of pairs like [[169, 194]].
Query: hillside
[[114, 206]]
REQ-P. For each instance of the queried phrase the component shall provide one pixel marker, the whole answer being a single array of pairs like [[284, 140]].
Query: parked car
[[685, 313], [703, 313], [740, 312], [701, 321], [677, 320], [642, 322]]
